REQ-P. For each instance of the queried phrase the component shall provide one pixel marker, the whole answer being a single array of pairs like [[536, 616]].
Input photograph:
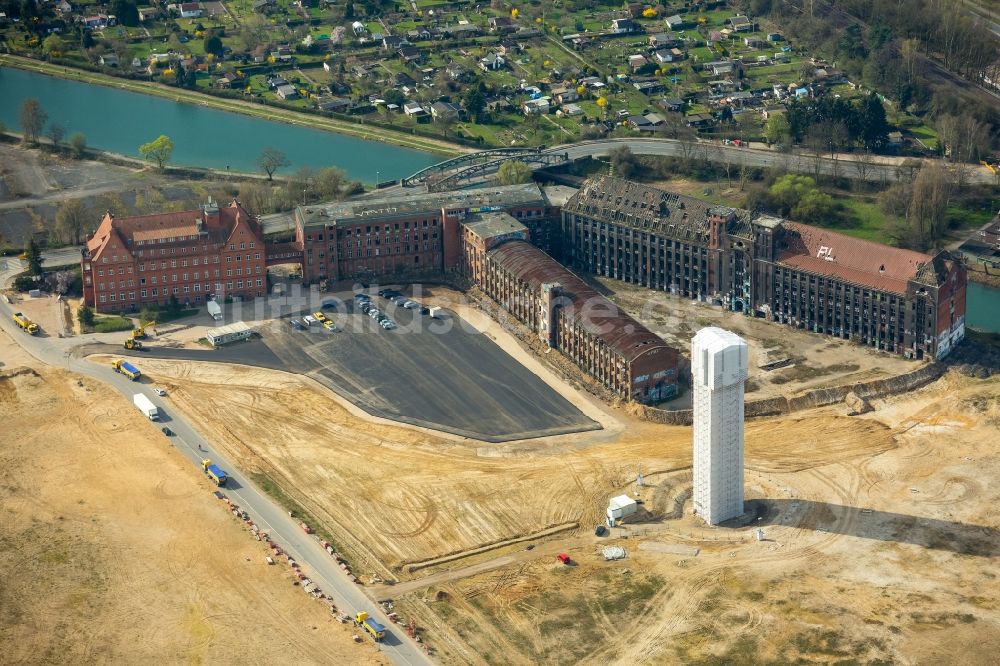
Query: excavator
[[138, 333]]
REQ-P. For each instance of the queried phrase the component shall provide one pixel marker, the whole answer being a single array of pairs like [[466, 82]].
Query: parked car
[[329, 305], [387, 325], [424, 310], [329, 325], [297, 325], [362, 297], [366, 307], [410, 305]]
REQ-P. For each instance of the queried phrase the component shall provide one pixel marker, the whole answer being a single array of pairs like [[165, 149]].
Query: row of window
[[156, 291]]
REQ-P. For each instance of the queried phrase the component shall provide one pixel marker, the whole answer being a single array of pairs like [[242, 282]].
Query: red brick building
[[191, 255], [565, 312], [405, 235]]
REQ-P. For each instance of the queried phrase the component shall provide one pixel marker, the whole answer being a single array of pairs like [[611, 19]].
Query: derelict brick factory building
[[887, 298], [131, 262]]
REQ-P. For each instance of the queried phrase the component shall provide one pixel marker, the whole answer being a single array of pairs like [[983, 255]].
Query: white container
[[146, 406]]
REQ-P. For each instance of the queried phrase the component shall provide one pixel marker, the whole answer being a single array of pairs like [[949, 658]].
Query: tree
[[851, 43], [126, 12], [159, 149], [34, 258], [874, 130], [213, 45], [33, 118], [71, 219], [623, 162], [77, 144], [56, 133], [330, 182], [513, 172], [815, 207], [271, 159], [776, 129], [786, 192], [474, 103], [85, 315], [53, 45], [926, 216], [395, 96]]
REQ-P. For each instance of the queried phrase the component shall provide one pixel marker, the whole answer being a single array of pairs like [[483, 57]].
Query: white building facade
[[719, 370]]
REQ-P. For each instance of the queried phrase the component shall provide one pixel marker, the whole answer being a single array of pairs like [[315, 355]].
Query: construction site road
[[322, 568]]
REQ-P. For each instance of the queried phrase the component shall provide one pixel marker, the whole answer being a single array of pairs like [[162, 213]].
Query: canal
[[982, 308], [119, 121]]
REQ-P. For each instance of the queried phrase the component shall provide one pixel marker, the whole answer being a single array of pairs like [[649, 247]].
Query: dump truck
[[25, 324], [124, 367], [373, 628], [146, 406], [214, 472]]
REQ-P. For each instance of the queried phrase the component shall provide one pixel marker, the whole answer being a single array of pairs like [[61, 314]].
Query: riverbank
[[263, 112]]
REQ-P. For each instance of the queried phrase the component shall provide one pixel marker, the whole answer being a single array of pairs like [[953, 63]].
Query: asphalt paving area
[[435, 373]]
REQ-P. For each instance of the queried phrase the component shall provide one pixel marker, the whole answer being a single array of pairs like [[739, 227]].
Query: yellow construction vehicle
[[132, 343], [214, 472], [139, 333], [25, 324], [371, 627]]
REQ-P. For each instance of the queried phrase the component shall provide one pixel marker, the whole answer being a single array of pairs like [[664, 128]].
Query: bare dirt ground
[[880, 530], [814, 360], [113, 549]]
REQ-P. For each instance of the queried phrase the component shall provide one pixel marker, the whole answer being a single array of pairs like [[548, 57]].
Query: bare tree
[[270, 160], [927, 212], [71, 220], [864, 165], [56, 133]]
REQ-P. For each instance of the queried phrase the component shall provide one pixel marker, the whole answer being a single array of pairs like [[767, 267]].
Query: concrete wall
[[878, 388]]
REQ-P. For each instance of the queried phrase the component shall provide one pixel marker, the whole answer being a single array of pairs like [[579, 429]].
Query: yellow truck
[[214, 472], [25, 324], [371, 627], [124, 367]]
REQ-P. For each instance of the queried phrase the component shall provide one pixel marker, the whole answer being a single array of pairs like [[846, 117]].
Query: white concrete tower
[[719, 369]]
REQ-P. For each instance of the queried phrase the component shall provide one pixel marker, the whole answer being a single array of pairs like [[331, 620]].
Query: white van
[[310, 320]]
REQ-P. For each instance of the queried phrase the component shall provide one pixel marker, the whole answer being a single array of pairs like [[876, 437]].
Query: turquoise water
[[982, 308], [119, 121]]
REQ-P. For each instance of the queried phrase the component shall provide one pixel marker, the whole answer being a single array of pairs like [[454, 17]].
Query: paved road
[[880, 169], [321, 567]]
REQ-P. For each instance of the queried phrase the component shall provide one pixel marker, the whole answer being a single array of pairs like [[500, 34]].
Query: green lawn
[[111, 324], [867, 220], [925, 135]]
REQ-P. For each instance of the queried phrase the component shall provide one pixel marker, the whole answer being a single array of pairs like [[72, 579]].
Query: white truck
[[146, 406], [214, 309], [434, 312]]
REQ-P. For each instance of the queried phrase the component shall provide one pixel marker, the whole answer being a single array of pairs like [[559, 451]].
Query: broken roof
[[586, 308]]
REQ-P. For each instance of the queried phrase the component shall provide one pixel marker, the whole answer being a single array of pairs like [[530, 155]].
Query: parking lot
[[437, 372], [431, 372]]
